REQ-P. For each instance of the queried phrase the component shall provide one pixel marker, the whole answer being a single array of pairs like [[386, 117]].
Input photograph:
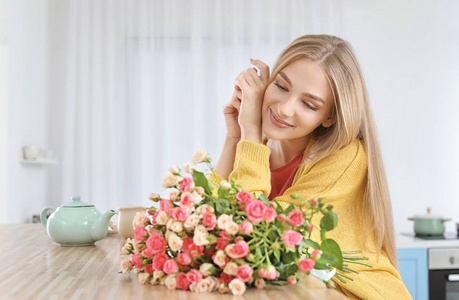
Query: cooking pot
[[428, 224]]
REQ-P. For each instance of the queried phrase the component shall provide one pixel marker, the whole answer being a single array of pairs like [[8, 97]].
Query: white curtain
[[136, 86]]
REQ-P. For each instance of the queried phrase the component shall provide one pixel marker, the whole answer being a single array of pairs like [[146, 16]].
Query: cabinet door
[[412, 265]]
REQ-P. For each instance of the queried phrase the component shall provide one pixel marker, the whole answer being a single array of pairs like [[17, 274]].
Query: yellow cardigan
[[339, 180]]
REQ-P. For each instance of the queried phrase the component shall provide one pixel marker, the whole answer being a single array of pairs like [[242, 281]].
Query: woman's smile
[[278, 122]]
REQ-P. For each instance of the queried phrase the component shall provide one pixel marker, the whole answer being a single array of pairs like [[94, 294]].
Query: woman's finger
[[264, 69]]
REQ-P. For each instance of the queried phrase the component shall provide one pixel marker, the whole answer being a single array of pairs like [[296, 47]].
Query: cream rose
[[191, 222], [162, 218], [225, 185], [206, 269], [199, 156], [170, 180], [232, 228], [174, 169], [143, 277], [223, 220], [169, 223], [237, 287], [260, 283], [175, 242], [197, 198], [157, 275], [223, 289], [220, 258], [177, 226], [173, 194], [200, 236], [231, 268], [205, 285], [187, 167], [140, 219], [125, 265], [171, 282], [203, 209]]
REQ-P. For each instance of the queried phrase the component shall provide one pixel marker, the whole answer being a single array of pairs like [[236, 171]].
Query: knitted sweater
[[338, 179]]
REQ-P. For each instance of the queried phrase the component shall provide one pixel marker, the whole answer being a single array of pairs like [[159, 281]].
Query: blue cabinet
[[412, 265]]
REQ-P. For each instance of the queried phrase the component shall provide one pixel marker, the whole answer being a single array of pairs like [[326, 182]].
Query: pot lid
[[77, 203], [428, 215]]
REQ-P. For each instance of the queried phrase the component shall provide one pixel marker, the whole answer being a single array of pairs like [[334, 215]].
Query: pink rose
[[291, 280], [156, 243], [186, 185], [246, 227], [170, 266], [159, 260], [165, 205], [148, 252], [292, 238], [148, 269], [140, 234], [199, 190], [224, 235], [271, 273], [310, 227], [295, 217], [137, 261], [314, 202], [244, 273], [182, 282], [186, 199], [240, 249], [184, 259], [270, 214], [180, 214], [191, 248], [194, 276], [209, 220], [153, 217], [306, 264], [244, 197], [316, 254], [255, 211], [262, 273], [221, 244]]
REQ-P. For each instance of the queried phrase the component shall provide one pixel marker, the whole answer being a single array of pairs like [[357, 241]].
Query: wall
[[3, 114], [27, 107]]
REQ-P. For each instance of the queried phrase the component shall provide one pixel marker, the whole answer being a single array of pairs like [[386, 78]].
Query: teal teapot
[[76, 223]]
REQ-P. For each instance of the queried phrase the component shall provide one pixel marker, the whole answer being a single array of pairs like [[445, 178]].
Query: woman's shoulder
[[352, 155]]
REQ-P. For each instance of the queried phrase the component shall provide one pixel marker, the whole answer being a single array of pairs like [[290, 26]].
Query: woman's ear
[[329, 121]]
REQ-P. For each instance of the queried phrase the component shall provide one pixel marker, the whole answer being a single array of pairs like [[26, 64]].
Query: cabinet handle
[[453, 277]]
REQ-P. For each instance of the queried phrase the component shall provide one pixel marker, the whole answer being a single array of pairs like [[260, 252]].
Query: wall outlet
[[36, 219]]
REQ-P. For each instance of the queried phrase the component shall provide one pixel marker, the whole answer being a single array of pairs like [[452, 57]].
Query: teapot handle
[[43, 218]]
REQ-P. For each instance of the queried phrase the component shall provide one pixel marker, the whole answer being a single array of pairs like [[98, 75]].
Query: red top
[[282, 178]]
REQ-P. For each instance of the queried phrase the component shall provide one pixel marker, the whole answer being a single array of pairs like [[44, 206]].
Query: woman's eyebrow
[[317, 98]]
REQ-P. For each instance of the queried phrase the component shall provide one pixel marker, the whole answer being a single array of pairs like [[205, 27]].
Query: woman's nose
[[285, 109]]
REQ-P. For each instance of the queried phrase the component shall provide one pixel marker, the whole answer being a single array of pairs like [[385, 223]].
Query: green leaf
[[330, 247], [289, 258], [289, 209], [222, 193], [221, 205], [277, 254], [329, 221], [264, 199], [309, 243], [277, 206], [278, 282], [200, 180]]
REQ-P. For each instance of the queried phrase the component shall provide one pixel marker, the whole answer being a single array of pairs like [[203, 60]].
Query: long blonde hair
[[354, 119]]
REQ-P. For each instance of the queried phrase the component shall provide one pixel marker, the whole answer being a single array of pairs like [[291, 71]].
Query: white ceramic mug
[[125, 219], [31, 151]]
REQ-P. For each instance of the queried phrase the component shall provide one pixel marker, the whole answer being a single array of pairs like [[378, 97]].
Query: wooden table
[[34, 267]]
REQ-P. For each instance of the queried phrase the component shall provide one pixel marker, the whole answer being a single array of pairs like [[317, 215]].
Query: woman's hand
[[252, 89], [231, 113]]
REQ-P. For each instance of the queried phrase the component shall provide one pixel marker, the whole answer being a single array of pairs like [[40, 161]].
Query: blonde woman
[[307, 128]]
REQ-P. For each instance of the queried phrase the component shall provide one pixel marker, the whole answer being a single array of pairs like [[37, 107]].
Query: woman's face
[[297, 101]]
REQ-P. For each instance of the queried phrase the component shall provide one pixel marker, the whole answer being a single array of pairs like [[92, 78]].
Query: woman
[[307, 128]]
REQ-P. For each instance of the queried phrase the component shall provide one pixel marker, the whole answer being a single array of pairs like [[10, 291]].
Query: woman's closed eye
[[310, 106], [280, 86]]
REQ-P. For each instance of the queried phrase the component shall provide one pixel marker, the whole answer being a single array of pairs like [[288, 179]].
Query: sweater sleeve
[[339, 179]]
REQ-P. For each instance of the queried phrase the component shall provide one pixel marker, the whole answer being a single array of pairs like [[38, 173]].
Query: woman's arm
[[225, 162]]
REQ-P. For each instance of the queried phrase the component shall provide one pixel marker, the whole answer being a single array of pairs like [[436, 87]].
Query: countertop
[[407, 240], [34, 267]]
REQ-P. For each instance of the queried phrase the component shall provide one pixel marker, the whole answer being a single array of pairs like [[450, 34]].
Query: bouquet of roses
[[206, 238]]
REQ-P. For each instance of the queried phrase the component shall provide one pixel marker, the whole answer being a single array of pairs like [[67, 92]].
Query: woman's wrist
[[253, 135]]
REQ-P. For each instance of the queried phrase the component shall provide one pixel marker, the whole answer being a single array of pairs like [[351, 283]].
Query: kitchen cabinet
[[412, 265]]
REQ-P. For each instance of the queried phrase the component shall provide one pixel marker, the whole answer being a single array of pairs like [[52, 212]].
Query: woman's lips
[[278, 122]]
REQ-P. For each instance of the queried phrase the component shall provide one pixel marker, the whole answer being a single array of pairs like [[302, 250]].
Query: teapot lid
[[77, 203]]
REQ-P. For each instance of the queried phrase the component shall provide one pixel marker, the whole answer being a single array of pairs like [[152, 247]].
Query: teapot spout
[[100, 226]]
